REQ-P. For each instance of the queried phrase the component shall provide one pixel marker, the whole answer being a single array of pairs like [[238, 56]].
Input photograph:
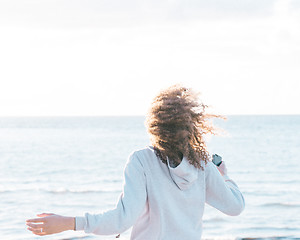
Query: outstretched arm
[[131, 204], [49, 223]]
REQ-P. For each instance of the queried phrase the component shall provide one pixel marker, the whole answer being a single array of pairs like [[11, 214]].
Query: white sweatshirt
[[164, 203]]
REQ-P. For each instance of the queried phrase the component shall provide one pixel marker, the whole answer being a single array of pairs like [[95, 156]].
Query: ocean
[[73, 165]]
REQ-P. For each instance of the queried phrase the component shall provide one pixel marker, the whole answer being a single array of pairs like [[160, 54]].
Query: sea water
[[73, 165]]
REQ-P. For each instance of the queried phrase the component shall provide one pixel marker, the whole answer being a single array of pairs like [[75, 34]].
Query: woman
[[167, 184]]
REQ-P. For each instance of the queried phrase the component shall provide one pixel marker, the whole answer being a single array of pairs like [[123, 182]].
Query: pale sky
[[111, 57]]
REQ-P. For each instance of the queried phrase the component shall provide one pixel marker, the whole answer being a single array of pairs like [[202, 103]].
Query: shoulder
[[142, 156], [209, 168]]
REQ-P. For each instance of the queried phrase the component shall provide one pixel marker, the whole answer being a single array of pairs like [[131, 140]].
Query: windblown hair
[[177, 123]]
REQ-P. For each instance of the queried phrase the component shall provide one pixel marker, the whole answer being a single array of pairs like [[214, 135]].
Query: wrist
[[70, 223]]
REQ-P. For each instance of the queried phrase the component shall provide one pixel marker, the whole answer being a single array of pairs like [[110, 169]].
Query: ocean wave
[[93, 237], [77, 238], [253, 238], [262, 193], [78, 191], [60, 191], [5, 191], [214, 219], [282, 205], [269, 238]]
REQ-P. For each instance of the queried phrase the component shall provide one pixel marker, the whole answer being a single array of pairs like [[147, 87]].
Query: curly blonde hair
[[177, 123]]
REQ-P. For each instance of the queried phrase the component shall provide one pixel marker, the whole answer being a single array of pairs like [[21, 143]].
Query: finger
[[35, 226], [44, 214], [36, 220], [36, 231], [30, 229], [39, 233]]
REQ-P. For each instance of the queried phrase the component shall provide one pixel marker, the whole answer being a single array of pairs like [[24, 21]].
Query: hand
[[49, 223], [222, 169]]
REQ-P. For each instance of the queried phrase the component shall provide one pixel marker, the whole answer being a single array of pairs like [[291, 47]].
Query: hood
[[184, 175]]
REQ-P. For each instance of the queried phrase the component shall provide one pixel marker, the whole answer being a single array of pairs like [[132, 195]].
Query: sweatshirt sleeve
[[129, 207], [222, 193]]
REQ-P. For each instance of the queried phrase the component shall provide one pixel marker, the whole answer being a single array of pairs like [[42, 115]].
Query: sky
[[111, 57]]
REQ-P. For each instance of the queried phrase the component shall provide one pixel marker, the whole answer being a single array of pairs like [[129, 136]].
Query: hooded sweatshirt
[[162, 202]]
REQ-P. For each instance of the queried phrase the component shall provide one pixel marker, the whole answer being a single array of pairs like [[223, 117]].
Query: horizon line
[[137, 115]]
